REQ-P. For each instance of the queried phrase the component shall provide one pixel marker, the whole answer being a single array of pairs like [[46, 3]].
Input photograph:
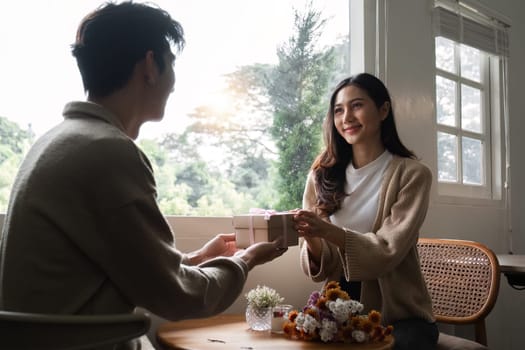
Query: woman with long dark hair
[[365, 200]]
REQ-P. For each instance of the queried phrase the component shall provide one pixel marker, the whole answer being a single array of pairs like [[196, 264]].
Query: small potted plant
[[261, 300]]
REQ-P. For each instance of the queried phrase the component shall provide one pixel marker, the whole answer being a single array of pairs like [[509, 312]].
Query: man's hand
[[221, 245], [262, 252]]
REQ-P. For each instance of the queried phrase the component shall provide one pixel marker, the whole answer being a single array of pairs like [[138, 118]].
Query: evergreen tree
[[298, 89]]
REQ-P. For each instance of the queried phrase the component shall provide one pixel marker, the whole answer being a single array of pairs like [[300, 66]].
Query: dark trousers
[[415, 334], [353, 288]]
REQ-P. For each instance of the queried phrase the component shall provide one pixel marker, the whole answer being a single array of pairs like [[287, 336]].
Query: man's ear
[[385, 108], [151, 71]]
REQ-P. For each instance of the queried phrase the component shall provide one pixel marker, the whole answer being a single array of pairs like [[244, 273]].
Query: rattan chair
[[463, 279], [23, 331]]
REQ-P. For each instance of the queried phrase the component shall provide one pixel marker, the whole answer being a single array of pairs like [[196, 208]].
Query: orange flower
[[355, 322], [344, 295], [292, 315], [367, 326], [334, 293], [331, 285], [321, 302], [374, 317], [289, 329], [312, 313], [389, 329]]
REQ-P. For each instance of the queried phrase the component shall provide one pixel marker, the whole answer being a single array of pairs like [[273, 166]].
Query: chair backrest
[[462, 278], [72, 332]]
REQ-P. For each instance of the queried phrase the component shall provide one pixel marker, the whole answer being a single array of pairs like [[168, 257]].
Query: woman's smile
[[352, 129]]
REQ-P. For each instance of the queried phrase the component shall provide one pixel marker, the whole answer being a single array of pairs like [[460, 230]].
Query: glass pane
[[445, 58], [447, 157], [470, 63], [446, 101], [472, 161], [470, 108], [214, 151]]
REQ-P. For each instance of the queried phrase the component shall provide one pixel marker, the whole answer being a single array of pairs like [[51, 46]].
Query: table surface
[[511, 263], [231, 332]]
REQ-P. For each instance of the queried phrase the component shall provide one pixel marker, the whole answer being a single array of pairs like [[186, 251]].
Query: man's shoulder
[[80, 146], [86, 136]]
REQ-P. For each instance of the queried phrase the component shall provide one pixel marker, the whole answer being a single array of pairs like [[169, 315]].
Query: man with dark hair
[[83, 233]]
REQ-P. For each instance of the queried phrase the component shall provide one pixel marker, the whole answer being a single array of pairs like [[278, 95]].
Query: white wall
[[409, 74]]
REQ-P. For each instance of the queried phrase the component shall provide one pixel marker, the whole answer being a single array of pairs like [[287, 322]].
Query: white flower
[[299, 321], [359, 336], [356, 307], [310, 324], [264, 296], [340, 309], [328, 330]]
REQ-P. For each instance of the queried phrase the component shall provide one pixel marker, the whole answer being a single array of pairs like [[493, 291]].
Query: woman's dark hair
[[113, 38], [329, 168]]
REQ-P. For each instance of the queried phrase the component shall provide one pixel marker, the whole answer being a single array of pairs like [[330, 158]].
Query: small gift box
[[264, 226]]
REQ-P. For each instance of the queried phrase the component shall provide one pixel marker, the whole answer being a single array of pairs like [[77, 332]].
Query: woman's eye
[[338, 110], [357, 105]]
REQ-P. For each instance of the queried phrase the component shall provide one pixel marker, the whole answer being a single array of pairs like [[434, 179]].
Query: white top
[[359, 209]]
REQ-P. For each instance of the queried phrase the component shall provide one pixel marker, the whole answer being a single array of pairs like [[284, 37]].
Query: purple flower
[[312, 301]]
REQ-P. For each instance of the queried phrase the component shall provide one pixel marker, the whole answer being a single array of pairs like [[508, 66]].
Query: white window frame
[[459, 188], [493, 109]]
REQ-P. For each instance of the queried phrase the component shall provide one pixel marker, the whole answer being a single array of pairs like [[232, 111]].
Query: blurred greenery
[[255, 153]]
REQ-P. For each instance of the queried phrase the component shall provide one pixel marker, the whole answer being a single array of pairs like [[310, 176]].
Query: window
[[462, 95], [470, 52], [240, 82]]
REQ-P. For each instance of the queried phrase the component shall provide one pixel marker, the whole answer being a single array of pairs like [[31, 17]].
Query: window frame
[[469, 23], [485, 136]]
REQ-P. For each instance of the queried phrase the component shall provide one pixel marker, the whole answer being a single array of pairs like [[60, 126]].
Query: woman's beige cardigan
[[386, 259]]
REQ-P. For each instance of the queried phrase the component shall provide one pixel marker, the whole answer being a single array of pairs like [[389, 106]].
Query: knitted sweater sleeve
[[150, 272], [330, 264]]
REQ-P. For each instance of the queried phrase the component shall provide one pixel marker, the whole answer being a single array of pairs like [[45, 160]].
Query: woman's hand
[[312, 227], [308, 224]]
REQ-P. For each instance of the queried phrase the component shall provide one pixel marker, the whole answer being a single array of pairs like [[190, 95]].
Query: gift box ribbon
[[267, 213]]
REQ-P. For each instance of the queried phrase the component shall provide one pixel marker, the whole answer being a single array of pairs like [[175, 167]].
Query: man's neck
[[126, 110]]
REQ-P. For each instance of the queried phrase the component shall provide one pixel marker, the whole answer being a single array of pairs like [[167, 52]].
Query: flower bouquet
[[263, 297], [261, 300], [331, 316]]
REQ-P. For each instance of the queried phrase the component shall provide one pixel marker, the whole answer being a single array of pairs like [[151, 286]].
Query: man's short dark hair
[[113, 38]]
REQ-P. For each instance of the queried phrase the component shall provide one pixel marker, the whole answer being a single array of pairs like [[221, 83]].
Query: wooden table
[[230, 332], [513, 267]]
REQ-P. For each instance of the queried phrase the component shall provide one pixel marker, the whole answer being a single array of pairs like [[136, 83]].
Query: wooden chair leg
[[481, 332]]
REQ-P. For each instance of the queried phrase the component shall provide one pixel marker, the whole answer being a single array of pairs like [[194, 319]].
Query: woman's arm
[[318, 256]]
